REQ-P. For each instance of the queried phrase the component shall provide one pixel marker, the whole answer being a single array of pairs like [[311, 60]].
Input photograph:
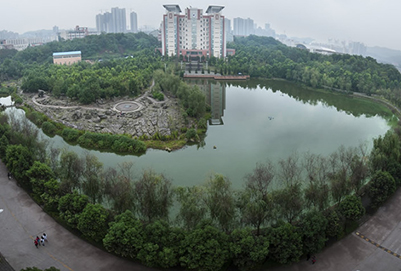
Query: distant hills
[[385, 55]]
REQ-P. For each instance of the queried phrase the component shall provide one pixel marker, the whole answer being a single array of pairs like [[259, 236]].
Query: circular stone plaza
[[127, 107]]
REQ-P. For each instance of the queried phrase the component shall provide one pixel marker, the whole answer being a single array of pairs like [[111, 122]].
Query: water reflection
[[215, 92], [340, 101]]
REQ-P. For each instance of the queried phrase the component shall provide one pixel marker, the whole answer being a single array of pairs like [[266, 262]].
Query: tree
[[93, 222], [313, 227], [351, 208], [92, 184], [334, 226], [220, 201], [71, 171], [192, 206], [290, 170], [248, 251], [51, 195], [19, 160], [161, 245], [339, 173], [359, 172], [125, 235], [317, 189], [119, 190], [71, 206], [285, 243], [381, 187], [289, 202], [153, 196], [394, 168], [385, 150], [205, 248], [255, 201], [3, 146], [38, 174]]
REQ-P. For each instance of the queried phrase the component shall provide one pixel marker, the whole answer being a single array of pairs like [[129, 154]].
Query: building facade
[[134, 22], [193, 34], [114, 22], [243, 27], [67, 58]]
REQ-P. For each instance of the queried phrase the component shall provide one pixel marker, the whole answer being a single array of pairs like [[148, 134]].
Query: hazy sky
[[373, 22]]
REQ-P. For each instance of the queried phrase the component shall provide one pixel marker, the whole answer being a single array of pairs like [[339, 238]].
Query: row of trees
[[281, 213]]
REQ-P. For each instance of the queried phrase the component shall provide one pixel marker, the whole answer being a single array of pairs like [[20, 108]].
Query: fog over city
[[373, 22]]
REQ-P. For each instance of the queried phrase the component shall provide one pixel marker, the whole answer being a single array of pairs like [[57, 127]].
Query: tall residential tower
[[193, 34], [134, 22], [114, 22]]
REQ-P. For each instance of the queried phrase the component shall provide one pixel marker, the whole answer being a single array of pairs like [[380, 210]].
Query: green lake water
[[254, 121]]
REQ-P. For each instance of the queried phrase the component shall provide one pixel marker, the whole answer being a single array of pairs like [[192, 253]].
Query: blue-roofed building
[[67, 58]]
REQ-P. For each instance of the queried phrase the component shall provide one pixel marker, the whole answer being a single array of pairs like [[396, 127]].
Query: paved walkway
[[356, 253], [22, 219]]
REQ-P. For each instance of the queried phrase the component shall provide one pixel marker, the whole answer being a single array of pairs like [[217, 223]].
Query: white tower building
[[193, 34]]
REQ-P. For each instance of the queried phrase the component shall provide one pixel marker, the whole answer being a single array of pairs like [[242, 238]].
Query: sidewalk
[[355, 253]]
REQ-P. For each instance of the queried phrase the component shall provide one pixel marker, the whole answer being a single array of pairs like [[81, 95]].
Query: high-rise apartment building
[[114, 22], [229, 33], [119, 20], [134, 22], [193, 34], [243, 27]]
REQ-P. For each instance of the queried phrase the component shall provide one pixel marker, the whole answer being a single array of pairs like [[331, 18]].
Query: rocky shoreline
[[136, 117]]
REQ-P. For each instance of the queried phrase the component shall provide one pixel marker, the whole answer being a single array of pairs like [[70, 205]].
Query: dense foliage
[[192, 98], [216, 224], [265, 57], [88, 82]]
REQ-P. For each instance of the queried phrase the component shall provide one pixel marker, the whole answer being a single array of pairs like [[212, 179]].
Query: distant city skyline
[[372, 22]]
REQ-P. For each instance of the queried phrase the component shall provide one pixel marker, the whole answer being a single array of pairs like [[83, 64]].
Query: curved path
[[22, 219], [124, 106]]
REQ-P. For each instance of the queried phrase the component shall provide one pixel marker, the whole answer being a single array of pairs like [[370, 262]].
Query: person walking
[[42, 241], [44, 236], [313, 259], [37, 240], [36, 243]]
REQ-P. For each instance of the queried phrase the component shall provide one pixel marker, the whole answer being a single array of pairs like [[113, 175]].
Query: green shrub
[[70, 135], [36, 118], [191, 134], [49, 128], [158, 95]]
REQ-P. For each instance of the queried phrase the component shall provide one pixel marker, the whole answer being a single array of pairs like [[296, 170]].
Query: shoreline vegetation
[[319, 200]]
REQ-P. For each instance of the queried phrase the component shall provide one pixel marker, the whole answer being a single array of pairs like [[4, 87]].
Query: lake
[[254, 121]]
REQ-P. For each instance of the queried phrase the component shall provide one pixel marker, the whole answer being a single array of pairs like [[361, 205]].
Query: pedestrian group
[[40, 241]]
